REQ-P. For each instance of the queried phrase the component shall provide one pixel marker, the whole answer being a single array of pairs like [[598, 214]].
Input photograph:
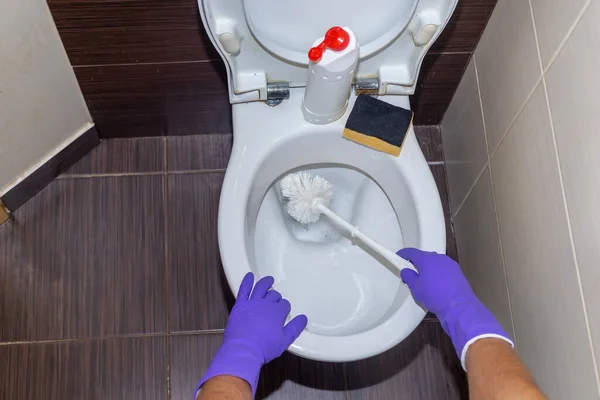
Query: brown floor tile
[[430, 140], [116, 369], [198, 291], [288, 377], [423, 366], [199, 152], [292, 377], [190, 358], [85, 258], [122, 156], [439, 174]]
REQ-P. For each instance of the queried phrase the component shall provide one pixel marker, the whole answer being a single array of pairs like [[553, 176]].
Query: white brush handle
[[397, 261]]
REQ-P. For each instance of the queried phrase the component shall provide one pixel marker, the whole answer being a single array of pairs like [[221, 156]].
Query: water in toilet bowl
[[342, 288]]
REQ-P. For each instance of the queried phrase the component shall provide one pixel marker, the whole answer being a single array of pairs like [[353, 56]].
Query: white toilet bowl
[[270, 142], [356, 304]]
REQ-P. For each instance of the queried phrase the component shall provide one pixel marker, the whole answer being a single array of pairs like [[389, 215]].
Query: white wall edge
[[46, 158]]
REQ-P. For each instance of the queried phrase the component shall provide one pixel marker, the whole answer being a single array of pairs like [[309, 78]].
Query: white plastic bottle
[[331, 69]]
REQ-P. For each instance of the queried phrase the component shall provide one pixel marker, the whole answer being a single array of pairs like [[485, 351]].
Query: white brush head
[[304, 192]]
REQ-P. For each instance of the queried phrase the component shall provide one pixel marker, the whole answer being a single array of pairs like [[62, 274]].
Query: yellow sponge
[[378, 125]]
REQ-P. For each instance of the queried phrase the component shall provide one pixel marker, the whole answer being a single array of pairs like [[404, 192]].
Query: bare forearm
[[496, 373], [225, 387]]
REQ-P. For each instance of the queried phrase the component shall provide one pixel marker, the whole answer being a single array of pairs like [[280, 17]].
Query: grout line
[[501, 244], [523, 105], [109, 175], [485, 134], [167, 283], [77, 340], [198, 171], [436, 162], [112, 175], [479, 175], [493, 152], [198, 333], [165, 155], [529, 96], [564, 199], [463, 201], [345, 377], [146, 63], [437, 53], [491, 155], [450, 221], [115, 337], [566, 38], [489, 166], [168, 364], [132, 138], [572, 242]]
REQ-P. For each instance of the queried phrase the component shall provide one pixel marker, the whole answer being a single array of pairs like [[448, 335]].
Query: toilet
[[357, 305]]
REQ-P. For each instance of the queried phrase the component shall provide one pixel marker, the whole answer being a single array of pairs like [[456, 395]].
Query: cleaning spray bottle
[[332, 64]]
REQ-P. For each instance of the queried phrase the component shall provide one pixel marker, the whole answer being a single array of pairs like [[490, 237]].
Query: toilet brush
[[308, 196]]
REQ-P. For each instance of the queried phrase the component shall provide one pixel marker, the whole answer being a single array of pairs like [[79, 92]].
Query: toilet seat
[[287, 141], [262, 41]]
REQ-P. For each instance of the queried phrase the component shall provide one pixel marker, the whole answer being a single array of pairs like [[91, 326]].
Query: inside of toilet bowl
[[337, 282]]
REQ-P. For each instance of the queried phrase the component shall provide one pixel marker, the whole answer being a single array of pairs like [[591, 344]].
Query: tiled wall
[[521, 141], [146, 68]]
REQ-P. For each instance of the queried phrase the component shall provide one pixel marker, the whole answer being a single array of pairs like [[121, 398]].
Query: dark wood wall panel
[[440, 76], [465, 27], [157, 99], [98, 32], [147, 68]]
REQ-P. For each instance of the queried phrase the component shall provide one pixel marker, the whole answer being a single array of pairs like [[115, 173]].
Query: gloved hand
[[255, 333], [441, 287]]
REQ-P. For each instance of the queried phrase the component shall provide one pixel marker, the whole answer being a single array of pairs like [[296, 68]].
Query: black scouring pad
[[377, 124]]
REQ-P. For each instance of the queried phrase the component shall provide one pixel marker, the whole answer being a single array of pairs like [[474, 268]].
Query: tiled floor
[[111, 287]]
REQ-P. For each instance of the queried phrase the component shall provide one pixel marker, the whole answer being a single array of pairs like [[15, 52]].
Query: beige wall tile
[[573, 84], [553, 20], [547, 309], [463, 135], [508, 66], [479, 252], [41, 106]]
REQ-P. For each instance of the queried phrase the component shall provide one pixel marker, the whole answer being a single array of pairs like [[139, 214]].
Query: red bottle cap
[[336, 39]]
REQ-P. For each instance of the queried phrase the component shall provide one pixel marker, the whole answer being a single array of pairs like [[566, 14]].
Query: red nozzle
[[336, 39]]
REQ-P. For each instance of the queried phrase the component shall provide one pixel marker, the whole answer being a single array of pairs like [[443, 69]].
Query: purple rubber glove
[[441, 287], [255, 332]]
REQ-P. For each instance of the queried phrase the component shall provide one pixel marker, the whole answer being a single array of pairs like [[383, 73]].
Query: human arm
[[441, 287], [496, 373], [225, 387], [255, 334]]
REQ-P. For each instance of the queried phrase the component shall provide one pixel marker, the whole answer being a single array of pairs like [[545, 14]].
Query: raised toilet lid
[[289, 28], [267, 41]]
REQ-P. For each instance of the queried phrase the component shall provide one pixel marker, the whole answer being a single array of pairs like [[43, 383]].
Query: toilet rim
[[232, 229]]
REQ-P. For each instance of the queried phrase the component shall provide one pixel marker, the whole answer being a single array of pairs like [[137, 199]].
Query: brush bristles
[[304, 192]]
